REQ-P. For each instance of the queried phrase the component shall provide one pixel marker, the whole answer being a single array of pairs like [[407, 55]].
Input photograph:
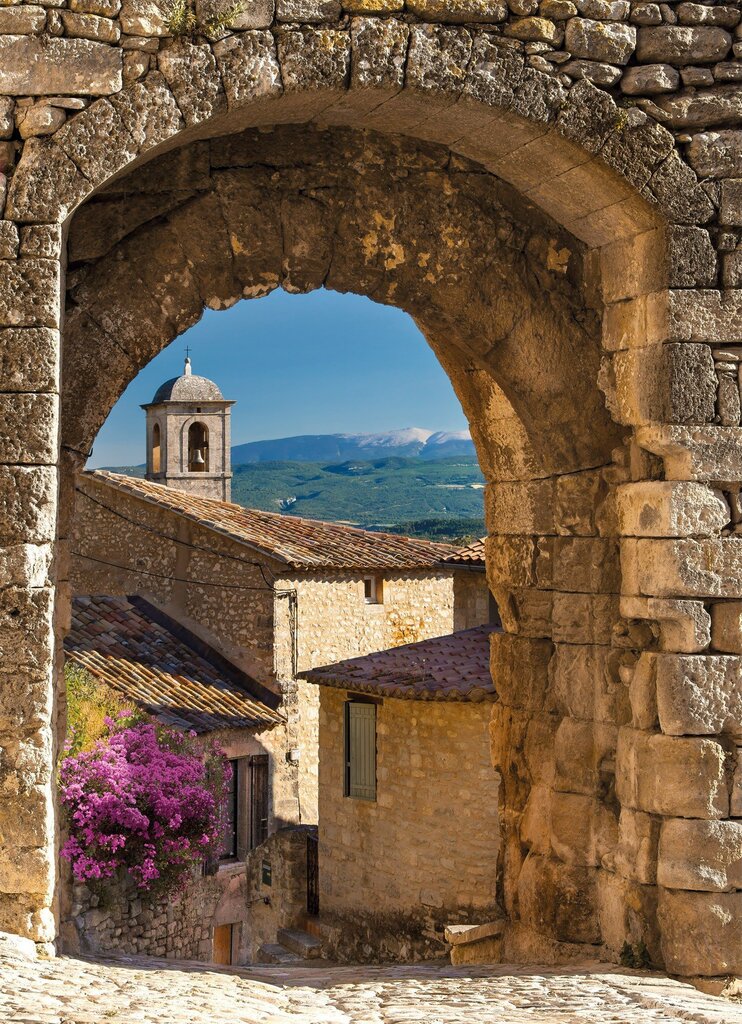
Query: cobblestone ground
[[128, 990]]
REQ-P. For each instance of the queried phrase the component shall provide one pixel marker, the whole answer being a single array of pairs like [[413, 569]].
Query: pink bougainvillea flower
[[146, 800]]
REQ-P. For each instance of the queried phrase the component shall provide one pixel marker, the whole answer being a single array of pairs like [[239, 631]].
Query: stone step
[[462, 934], [302, 943], [274, 953]]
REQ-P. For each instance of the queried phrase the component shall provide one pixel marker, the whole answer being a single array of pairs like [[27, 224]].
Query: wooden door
[[222, 944]]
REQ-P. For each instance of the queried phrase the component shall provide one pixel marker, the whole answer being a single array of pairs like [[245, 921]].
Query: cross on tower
[[188, 351]]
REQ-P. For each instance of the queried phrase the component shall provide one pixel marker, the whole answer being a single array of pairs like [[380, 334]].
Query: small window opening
[[198, 448], [156, 449], [373, 590], [232, 814], [360, 750]]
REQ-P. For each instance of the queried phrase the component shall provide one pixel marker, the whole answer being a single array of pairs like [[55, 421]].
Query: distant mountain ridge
[[411, 442]]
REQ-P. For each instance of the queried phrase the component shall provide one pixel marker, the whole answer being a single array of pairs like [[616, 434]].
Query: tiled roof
[[472, 555], [306, 544], [451, 667], [156, 663]]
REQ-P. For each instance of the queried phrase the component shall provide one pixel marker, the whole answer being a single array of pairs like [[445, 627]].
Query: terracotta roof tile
[[154, 662], [306, 544], [452, 667], [471, 555]]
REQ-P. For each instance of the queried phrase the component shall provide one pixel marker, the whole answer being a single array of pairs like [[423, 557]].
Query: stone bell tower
[[188, 436]]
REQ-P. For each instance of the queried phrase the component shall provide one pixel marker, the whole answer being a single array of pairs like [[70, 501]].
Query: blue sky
[[321, 363]]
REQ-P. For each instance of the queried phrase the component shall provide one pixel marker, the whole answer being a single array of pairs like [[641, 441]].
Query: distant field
[[440, 499]]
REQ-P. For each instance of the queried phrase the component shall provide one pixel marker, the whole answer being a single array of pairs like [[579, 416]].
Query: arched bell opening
[[198, 448]]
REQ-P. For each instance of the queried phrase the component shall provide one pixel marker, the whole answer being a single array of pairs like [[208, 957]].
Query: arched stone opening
[[517, 327], [578, 734]]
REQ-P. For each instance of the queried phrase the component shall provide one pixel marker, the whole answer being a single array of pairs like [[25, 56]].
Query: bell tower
[[188, 436]]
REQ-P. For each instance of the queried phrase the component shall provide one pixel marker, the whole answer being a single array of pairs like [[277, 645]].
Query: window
[[373, 590], [198, 448], [156, 448], [248, 806], [360, 750]]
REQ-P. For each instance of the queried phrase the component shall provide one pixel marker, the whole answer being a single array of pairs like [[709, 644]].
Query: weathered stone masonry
[[554, 191]]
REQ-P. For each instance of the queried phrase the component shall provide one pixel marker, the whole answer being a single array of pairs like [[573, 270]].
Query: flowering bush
[[145, 800]]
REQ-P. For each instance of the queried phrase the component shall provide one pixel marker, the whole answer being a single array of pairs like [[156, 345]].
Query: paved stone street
[[77, 991]]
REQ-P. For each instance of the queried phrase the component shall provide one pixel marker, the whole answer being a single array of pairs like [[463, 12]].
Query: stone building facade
[[594, 349], [401, 862], [152, 661]]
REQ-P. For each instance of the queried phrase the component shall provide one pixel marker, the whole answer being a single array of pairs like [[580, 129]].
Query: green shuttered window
[[360, 750]]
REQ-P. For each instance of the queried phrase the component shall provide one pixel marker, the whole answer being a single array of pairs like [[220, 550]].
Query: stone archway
[[617, 722]]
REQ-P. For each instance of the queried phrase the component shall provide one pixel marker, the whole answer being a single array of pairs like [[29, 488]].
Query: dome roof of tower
[[188, 388]]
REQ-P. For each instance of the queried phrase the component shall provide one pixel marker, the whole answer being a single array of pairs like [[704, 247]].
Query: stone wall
[[471, 599], [395, 871], [334, 622], [593, 347], [117, 917]]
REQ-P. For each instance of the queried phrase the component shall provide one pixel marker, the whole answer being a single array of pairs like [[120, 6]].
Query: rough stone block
[[650, 80], [144, 18], [583, 829], [695, 453], [706, 315], [691, 258], [586, 684], [29, 293], [193, 76], [587, 565], [584, 618], [438, 59], [558, 900], [627, 913], [28, 359], [520, 508], [526, 611], [670, 383], [28, 429], [731, 202], [690, 568], [679, 45], [520, 669], [46, 185], [379, 53], [669, 775], [24, 20], [308, 11], [699, 695], [90, 26], [42, 240], [726, 627], [635, 856], [685, 626], [598, 40], [701, 933], [580, 498], [670, 509], [584, 753], [468, 11], [27, 504], [535, 824], [700, 855], [313, 58], [512, 561], [72, 67], [149, 112], [716, 154]]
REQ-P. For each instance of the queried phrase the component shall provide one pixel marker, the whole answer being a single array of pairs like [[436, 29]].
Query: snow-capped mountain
[[408, 442]]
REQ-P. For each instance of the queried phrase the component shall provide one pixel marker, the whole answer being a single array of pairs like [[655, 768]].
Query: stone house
[[408, 800], [160, 666]]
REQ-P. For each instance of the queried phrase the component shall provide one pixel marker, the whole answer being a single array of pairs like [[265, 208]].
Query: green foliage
[[89, 703], [636, 956], [183, 19], [460, 531]]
